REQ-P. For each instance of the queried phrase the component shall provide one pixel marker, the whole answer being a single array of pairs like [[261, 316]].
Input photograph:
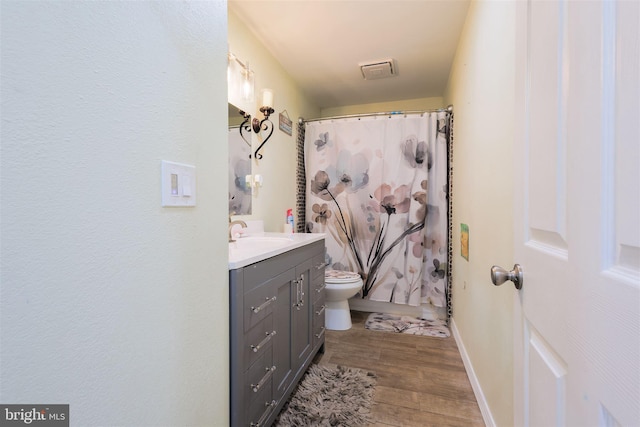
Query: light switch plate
[[178, 184]]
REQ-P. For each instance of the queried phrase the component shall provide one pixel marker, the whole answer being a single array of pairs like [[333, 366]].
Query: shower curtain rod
[[449, 109]]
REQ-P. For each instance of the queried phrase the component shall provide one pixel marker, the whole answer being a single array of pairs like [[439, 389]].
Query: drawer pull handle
[[319, 312], [297, 283], [299, 292], [267, 412], [262, 343], [263, 305], [269, 370], [321, 266], [318, 290], [321, 333]]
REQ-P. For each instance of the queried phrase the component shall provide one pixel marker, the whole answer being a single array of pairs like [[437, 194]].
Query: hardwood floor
[[421, 380]]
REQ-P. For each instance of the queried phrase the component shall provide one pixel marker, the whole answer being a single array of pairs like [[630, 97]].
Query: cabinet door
[[301, 333], [284, 373]]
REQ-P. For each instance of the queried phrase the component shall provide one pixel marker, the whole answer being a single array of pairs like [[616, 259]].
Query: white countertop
[[250, 249]]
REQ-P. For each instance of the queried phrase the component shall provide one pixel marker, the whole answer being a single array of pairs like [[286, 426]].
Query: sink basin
[[259, 243], [254, 239], [250, 249], [256, 248]]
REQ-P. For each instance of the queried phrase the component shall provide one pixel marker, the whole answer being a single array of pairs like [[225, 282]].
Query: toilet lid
[[337, 276]]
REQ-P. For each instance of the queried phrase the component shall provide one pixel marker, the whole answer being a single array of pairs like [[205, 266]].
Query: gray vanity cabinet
[[275, 330]]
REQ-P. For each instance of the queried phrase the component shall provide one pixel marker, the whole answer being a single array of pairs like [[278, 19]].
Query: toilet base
[[337, 316]]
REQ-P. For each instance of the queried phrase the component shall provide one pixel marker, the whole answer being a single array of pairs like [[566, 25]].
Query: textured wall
[[110, 302], [481, 88]]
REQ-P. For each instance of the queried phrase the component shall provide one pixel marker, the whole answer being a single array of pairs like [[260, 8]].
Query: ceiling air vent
[[379, 69]]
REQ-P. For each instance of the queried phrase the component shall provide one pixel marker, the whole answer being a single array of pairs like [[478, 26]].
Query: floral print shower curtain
[[377, 186]]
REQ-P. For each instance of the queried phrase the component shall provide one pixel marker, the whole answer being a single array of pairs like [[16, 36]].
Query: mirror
[[239, 166]]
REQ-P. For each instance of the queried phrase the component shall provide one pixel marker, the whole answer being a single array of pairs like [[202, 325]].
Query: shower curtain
[[377, 186]]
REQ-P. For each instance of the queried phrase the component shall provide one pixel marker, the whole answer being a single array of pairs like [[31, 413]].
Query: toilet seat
[[337, 276]]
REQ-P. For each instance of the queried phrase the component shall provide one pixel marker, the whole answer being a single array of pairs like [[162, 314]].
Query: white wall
[[109, 302], [431, 103], [278, 166], [481, 88]]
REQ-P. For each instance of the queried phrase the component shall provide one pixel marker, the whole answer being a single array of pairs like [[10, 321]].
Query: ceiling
[[322, 42]]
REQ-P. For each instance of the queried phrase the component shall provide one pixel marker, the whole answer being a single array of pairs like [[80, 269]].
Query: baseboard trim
[[475, 385]]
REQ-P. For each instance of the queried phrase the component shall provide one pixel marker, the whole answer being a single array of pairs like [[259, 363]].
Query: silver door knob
[[499, 275]]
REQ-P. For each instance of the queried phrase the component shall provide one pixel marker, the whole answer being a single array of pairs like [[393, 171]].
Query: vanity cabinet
[[276, 328]]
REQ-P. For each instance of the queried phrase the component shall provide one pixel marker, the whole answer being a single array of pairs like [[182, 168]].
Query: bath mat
[[330, 396], [407, 325]]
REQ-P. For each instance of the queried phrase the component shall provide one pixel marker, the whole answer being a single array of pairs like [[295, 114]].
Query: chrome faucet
[[231, 224]]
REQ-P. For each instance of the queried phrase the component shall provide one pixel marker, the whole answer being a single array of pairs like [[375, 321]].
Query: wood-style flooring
[[421, 380]]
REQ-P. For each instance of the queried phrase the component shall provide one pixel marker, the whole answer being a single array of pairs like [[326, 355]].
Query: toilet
[[340, 286]]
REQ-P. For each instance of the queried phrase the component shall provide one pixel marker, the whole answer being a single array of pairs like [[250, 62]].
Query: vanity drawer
[[318, 316], [260, 410], [259, 377], [258, 304], [259, 340], [318, 265], [317, 289], [255, 274]]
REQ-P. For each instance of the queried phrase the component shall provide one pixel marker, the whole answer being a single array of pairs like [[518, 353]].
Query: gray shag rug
[[407, 325], [330, 396]]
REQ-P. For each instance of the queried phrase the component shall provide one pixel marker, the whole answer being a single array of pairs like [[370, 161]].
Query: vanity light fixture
[[264, 124], [247, 83], [241, 80], [241, 83]]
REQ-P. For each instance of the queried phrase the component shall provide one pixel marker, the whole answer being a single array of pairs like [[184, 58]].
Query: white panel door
[[577, 317]]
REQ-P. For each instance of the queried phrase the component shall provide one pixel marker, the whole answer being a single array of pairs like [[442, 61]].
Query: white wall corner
[[473, 379]]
